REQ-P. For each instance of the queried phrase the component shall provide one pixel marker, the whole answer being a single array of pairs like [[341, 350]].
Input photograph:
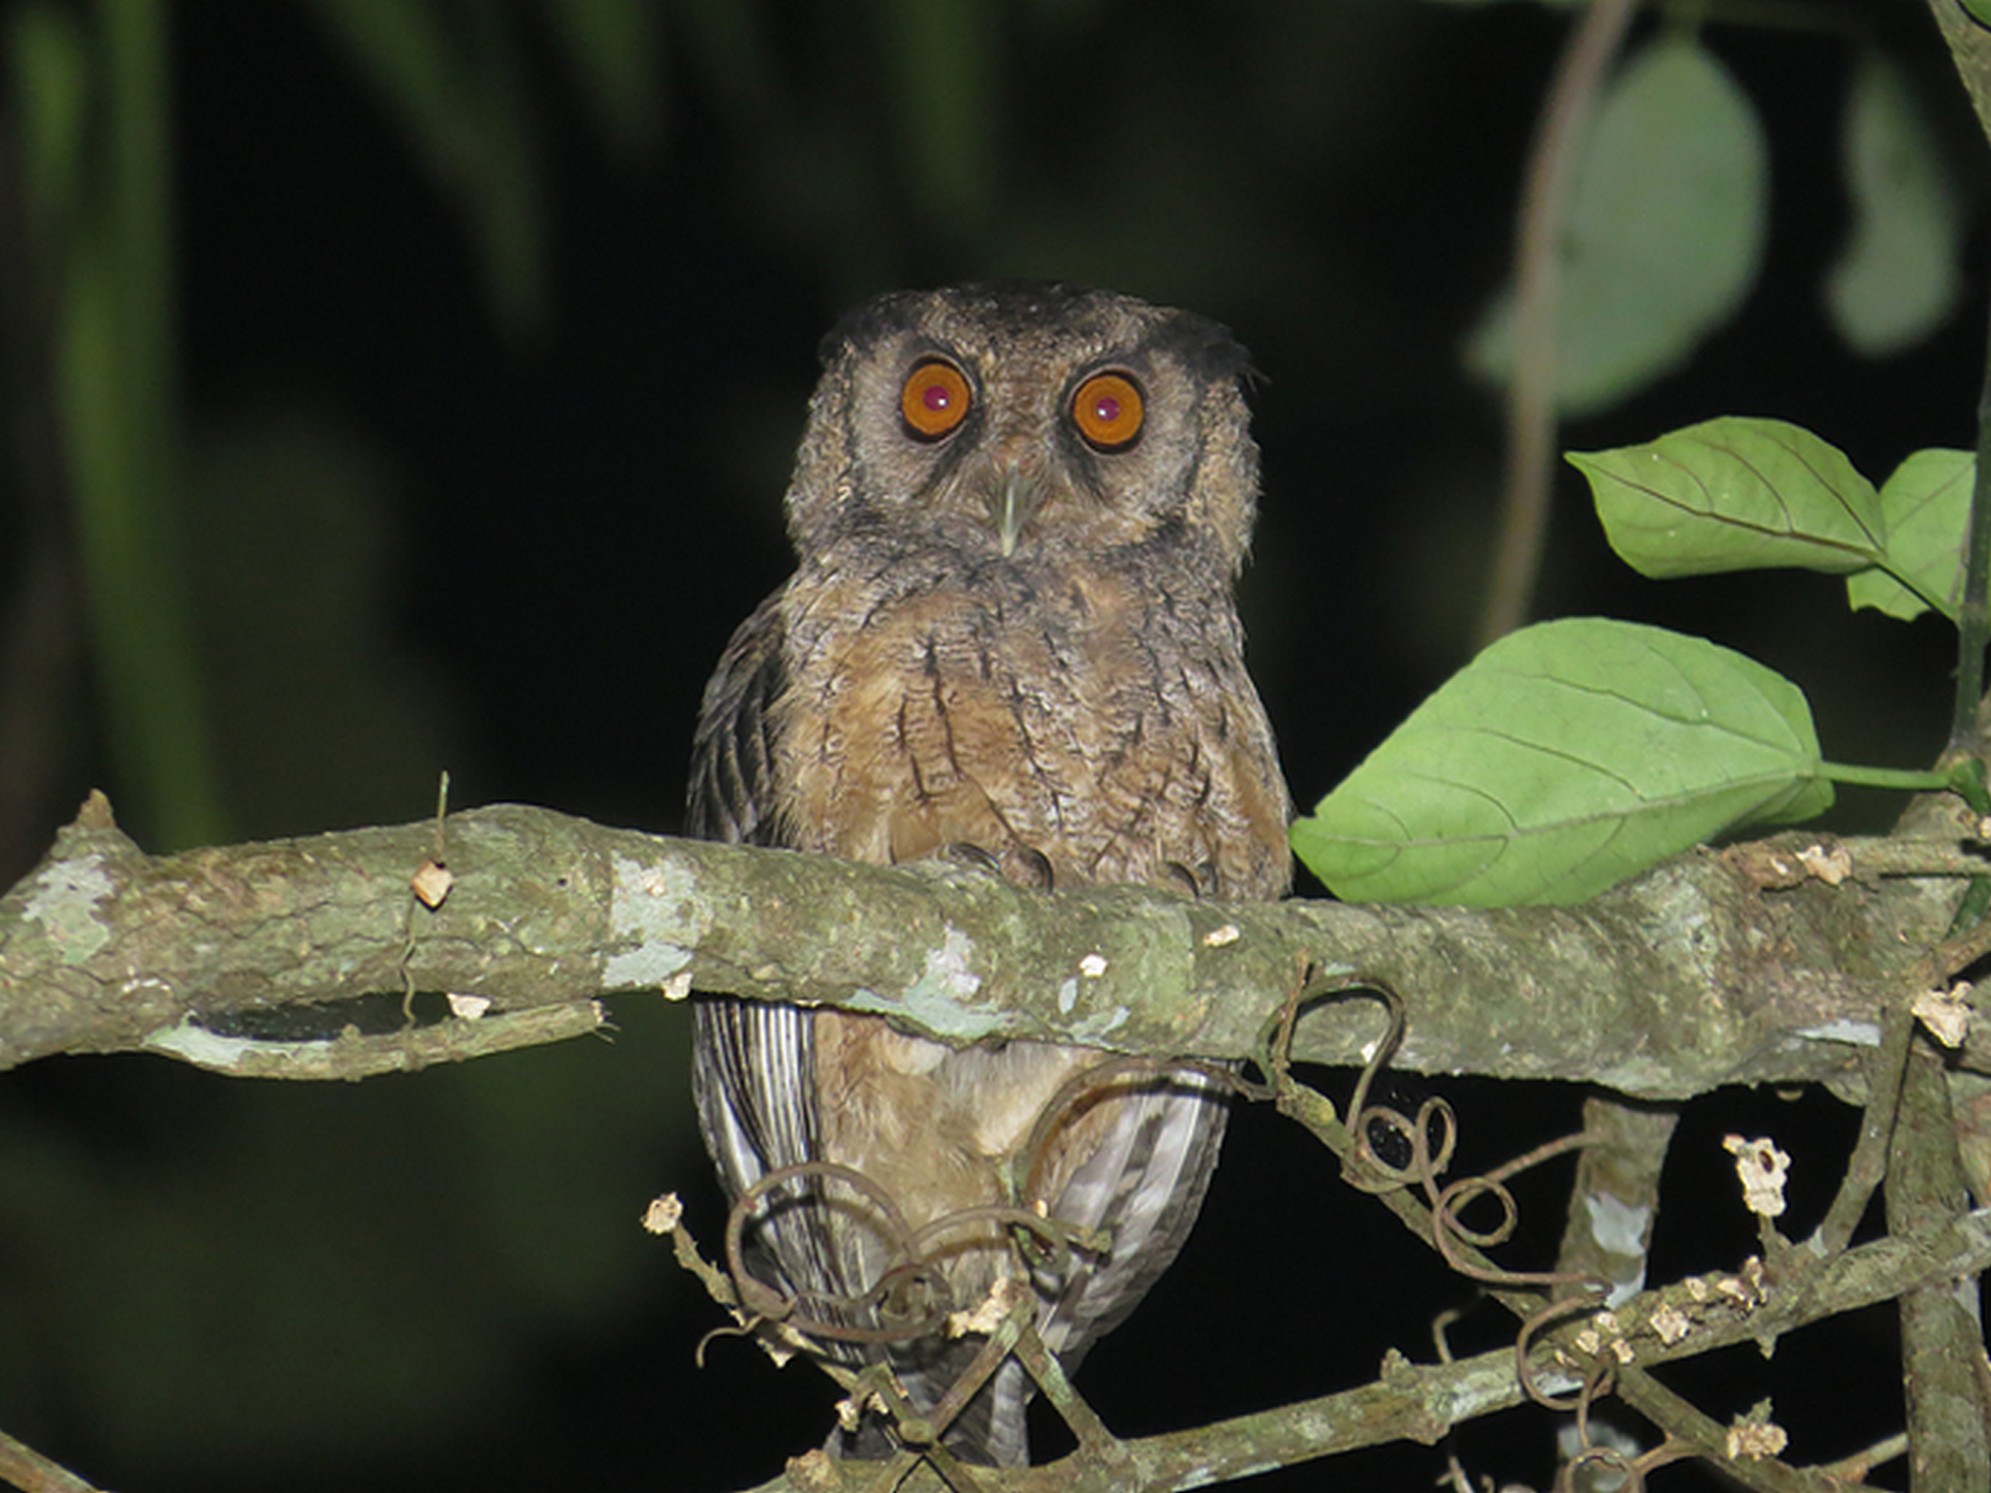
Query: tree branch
[[1423, 1401], [1970, 50], [1691, 977], [1942, 1340]]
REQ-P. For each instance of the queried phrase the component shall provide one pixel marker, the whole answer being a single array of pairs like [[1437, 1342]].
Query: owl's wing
[[731, 796], [753, 1064], [1145, 1183]]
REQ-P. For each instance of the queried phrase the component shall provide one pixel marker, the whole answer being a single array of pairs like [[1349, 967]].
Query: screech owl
[[1019, 511]]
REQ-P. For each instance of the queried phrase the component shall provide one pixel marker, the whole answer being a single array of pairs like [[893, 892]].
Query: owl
[[1019, 511]]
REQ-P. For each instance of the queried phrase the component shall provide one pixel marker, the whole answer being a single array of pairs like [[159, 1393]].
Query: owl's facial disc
[[1007, 440]]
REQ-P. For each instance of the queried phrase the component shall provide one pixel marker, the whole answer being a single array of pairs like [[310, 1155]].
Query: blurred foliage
[[1900, 276], [1666, 233], [232, 1289], [453, 75], [1670, 224], [313, 572], [402, 384], [98, 182]]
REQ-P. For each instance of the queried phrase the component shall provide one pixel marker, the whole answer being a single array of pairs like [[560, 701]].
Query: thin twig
[[1942, 1343], [1853, 1470], [1531, 418], [1687, 1423], [1867, 1166], [27, 1469], [1615, 1196], [353, 1054], [1973, 618], [1422, 1401], [1688, 1430], [1792, 859], [1094, 1438]]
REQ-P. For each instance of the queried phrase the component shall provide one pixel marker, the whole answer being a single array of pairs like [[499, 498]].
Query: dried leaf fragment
[[664, 1214], [1830, 864], [1768, 868], [1002, 1299], [1754, 1436], [431, 883], [850, 1412], [1946, 1013], [1671, 1324], [1762, 1169], [814, 1469]]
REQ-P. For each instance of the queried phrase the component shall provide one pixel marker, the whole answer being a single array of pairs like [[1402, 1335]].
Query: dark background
[[426, 533]]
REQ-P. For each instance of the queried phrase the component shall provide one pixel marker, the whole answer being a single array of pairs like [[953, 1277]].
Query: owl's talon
[[1043, 874], [1198, 881], [974, 857], [1023, 866]]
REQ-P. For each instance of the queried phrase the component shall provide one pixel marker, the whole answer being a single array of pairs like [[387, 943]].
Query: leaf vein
[[1784, 743]]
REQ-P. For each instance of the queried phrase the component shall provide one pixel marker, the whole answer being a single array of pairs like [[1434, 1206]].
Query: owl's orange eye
[[935, 399], [1108, 411]]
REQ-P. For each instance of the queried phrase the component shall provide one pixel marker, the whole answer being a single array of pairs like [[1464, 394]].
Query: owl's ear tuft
[[1205, 347], [861, 326]]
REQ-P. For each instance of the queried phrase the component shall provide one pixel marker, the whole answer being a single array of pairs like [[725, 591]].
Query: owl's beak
[[1015, 501]]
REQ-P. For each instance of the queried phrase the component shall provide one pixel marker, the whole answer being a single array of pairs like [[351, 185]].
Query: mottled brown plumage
[[1019, 513]]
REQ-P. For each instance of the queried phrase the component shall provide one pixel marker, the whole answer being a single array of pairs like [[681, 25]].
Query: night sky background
[[426, 532]]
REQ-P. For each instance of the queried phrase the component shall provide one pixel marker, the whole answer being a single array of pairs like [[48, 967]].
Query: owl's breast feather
[[1064, 723]]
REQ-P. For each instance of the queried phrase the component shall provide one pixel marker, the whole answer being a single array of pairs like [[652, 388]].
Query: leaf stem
[[1909, 779]]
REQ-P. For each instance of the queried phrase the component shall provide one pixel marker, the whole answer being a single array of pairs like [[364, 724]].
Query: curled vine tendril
[[911, 1298]]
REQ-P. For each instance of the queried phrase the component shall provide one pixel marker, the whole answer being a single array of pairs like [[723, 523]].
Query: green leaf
[[1897, 279], [1927, 506], [49, 70], [1667, 222], [114, 381], [1564, 758], [1735, 494]]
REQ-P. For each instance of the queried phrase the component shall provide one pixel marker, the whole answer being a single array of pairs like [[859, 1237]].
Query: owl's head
[[1002, 418]]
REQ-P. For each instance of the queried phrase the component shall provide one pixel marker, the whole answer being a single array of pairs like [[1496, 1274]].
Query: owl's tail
[[990, 1431]]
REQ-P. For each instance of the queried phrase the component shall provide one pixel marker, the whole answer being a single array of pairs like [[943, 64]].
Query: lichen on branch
[[1709, 970]]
